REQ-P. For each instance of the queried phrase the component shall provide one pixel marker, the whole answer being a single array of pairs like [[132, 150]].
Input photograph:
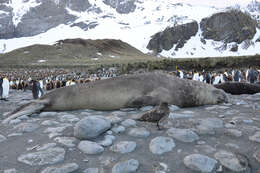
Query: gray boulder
[[91, 127], [230, 26], [177, 35], [122, 6]]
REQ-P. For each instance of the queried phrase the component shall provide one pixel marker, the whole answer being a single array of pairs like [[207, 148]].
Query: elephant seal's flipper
[[26, 109]]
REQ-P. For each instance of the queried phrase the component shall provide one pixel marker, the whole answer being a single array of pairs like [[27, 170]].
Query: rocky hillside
[[156, 26]]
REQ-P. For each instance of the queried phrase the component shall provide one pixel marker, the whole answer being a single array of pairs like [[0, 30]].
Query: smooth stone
[[201, 163], [69, 118], [66, 141], [256, 155], [173, 115], [139, 132], [146, 108], [92, 170], [15, 121], [108, 141], [89, 147], [123, 147], [255, 137], [230, 161], [27, 127], [46, 146], [160, 145], [128, 123], [48, 114], [64, 168], [212, 123], [55, 129], [24, 117], [184, 135], [231, 145], [127, 166], [2, 138], [15, 134], [174, 108], [13, 170], [91, 127], [118, 129], [114, 119], [44, 157], [234, 132], [50, 123]]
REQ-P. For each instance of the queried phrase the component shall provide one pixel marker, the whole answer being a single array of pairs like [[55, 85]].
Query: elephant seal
[[124, 92], [237, 88]]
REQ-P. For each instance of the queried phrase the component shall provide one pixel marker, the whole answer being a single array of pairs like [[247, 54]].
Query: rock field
[[221, 138]]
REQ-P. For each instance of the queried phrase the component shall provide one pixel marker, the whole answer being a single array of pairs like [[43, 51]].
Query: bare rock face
[[230, 26], [6, 23], [41, 18], [171, 36], [122, 6]]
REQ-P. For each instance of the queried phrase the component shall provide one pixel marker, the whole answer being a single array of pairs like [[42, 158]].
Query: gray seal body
[[127, 91]]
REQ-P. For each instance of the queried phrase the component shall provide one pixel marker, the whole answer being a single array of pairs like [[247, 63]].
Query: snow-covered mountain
[[27, 22]]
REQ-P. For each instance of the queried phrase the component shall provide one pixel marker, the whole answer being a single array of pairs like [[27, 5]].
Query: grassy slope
[[83, 53]]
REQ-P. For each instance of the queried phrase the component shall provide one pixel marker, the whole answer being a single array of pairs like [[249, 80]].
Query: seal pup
[[131, 91], [237, 88], [156, 114]]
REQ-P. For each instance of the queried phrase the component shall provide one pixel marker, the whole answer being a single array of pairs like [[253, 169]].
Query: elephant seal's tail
[[27, 109]]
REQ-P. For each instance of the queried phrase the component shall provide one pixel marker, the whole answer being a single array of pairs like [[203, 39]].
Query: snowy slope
[[150, 17]]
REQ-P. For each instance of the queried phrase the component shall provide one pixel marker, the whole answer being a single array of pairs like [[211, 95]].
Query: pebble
[[230, 161], [2, 138], [50, 123], [201, 163], [108, 141], [127, 166], [139, 132], [27, 127], [43, 157], [255, 137], [92, 170], [89, 147], [66, 141], [123, 147], [160, 145], [128, 123], [234, 132], [118, 129], [184, 135], [13, 170], [48, 114], [64, 168], [69, 118], [256, 155]]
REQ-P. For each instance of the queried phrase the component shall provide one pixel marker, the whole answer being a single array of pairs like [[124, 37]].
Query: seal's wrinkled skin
[[127, 91]]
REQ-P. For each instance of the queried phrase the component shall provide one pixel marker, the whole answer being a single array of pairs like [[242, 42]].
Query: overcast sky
[[217, 3]]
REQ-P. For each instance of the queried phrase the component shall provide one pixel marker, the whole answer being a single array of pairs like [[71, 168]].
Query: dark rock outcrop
[[230, 26], [122, 6], [177, 35], [42, 18], [6, 24]]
